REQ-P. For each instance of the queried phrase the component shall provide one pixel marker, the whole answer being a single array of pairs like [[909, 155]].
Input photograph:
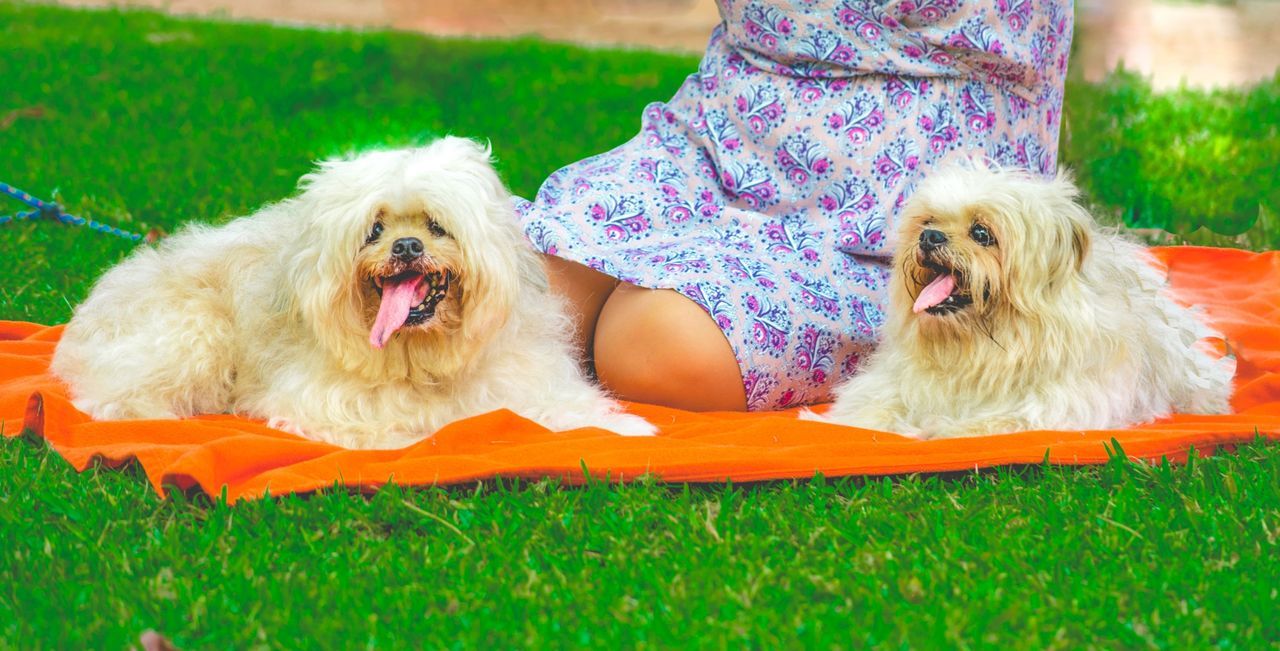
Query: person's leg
[[585, 290], [657, 346]]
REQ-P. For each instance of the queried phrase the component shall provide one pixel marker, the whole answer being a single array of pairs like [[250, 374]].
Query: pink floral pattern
[[766, 190]]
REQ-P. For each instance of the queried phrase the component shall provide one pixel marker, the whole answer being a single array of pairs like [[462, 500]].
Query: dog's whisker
[[905, 276], [985, 327]]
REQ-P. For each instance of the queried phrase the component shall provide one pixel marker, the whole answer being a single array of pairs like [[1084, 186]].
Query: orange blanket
[[1240, 291]]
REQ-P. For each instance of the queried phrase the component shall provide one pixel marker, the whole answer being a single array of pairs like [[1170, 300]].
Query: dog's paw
[[860, 421], [873, 419], [809, 414], [126, 410], [986, 427], [629, 425], [286, 425]]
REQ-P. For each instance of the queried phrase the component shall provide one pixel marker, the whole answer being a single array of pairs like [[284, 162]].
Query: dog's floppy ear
[[1081, 238], [477, 209], [1078, 221], [327, 218]]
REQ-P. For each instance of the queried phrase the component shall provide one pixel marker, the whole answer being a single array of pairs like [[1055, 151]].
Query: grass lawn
[[142, 121]]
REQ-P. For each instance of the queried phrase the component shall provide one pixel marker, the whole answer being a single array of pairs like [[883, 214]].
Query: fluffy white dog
[[393, 295], [1010, 309]]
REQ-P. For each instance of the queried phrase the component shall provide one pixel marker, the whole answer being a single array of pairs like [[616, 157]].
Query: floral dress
[[767, 189]]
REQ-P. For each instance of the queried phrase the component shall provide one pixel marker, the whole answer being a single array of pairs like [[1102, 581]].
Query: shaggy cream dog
[[1010, 309], [394, 295]]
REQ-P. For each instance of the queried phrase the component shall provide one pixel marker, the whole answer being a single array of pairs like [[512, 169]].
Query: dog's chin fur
[[271, 315], [1064, 325]]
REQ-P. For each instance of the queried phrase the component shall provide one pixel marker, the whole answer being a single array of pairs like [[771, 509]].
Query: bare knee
[[658, 347], [584, 290]]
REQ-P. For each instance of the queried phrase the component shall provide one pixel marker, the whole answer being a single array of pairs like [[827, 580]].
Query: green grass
[[147, 121], [1123, 555], [1200, 164]]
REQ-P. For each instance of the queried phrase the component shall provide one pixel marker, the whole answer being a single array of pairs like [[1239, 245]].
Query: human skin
[[648, 345]]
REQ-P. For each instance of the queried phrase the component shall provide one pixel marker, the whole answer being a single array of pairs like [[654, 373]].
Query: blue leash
[[50, 210]]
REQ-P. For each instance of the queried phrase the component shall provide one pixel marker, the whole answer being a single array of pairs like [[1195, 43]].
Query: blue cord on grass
[[50, 210]]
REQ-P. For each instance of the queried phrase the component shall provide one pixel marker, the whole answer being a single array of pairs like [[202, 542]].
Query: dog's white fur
[[269, 316], [1070, 327]]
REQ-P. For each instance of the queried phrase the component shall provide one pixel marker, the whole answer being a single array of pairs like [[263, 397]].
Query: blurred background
[[1203, 44]]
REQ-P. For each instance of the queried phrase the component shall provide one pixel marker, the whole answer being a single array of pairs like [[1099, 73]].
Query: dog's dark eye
[[436, 229], [982, 235], [374, 233]]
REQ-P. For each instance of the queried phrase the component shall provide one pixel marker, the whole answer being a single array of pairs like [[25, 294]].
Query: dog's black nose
[[407, 248], [931, 239]]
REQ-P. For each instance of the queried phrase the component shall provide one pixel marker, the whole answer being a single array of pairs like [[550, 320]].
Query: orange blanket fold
[[1240, 292]]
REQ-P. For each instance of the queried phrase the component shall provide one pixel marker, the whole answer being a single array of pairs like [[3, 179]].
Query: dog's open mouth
[[407, 299], [943, 294]]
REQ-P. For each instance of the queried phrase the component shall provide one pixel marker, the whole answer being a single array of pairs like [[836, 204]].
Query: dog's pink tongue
[[397, 298], [934, 293]]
